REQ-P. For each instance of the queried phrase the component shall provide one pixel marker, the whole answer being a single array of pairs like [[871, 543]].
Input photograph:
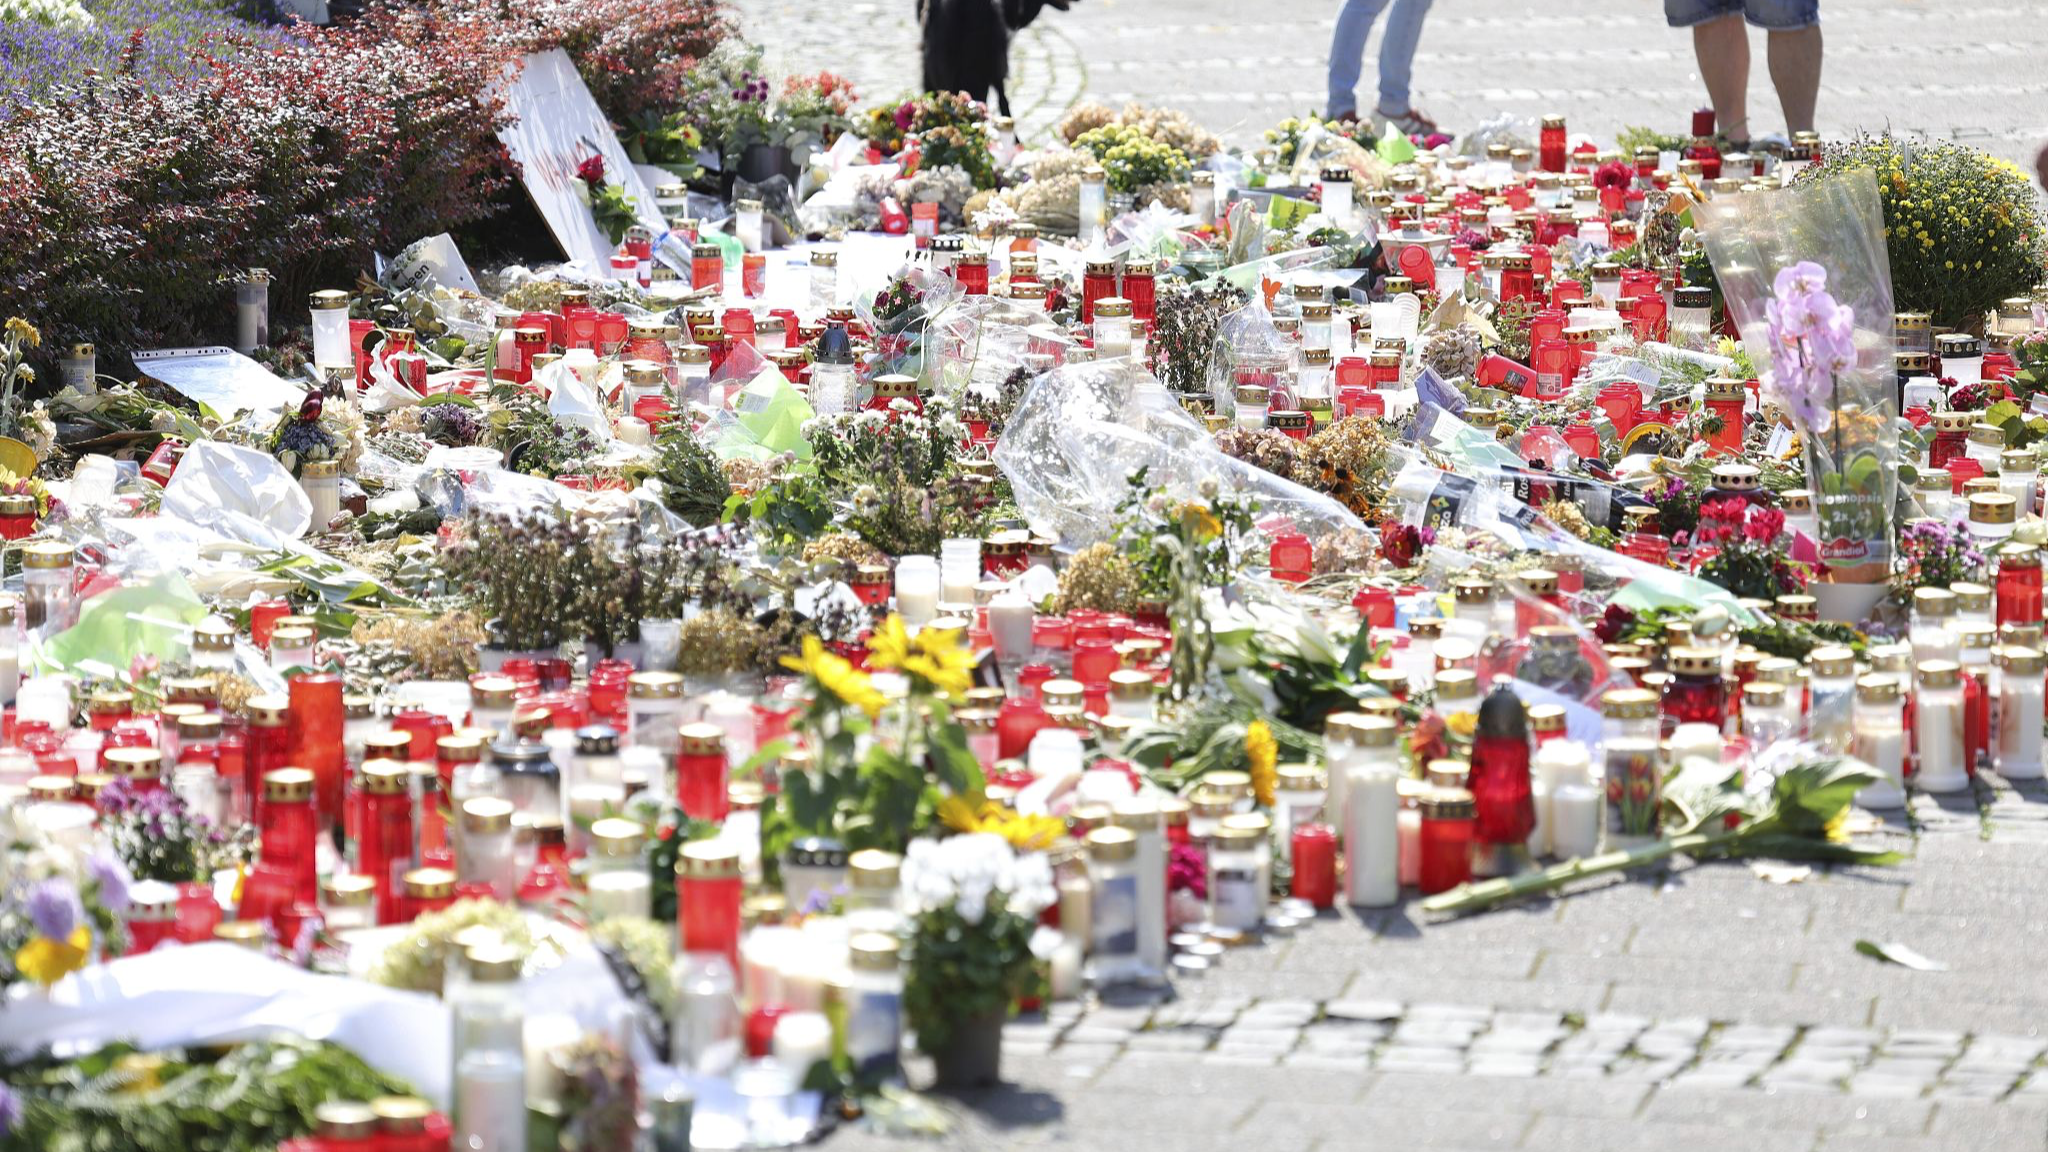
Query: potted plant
[[976, 906], [519, 570]]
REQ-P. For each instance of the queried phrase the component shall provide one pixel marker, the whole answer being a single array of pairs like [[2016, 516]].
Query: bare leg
[[1722, 45], [1795, 71]]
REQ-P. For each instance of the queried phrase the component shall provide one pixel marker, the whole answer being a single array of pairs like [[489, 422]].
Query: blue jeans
[[1397, 52]]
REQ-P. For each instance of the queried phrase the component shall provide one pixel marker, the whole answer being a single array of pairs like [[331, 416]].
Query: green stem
[[1473, 897]]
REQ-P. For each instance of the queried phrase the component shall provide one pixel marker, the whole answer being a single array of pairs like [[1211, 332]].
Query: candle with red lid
[[701, 772], [708, 895]]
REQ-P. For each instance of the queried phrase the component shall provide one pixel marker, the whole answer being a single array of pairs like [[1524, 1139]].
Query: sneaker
[[1413, 122]]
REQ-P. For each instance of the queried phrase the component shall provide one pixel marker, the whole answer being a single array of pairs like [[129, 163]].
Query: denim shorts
[[1779, 15]]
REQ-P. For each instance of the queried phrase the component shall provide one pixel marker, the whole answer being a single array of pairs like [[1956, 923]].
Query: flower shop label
[[558, 127]]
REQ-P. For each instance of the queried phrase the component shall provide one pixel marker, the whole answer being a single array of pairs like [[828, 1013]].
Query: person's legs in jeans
[[1722, 45], [1397, 55], [1347, 53], [1794, 52]]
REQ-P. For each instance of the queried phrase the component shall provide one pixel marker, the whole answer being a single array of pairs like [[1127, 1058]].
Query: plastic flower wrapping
[[1807, 279]]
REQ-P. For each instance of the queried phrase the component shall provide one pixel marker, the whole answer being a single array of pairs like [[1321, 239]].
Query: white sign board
[[222, 379], [558, 127]]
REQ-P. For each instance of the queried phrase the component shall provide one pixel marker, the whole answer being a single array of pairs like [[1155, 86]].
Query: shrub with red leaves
[[633, 54], [127, 207]]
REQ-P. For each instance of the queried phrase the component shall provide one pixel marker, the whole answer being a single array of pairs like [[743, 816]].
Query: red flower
[[1400, 543], [591, 171], [1764, 525], [1729, 511], [1614, 174], [1614, 623]]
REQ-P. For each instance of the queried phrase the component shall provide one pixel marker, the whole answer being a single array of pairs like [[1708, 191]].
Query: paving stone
[[1365, 1010], [1419, 1060]]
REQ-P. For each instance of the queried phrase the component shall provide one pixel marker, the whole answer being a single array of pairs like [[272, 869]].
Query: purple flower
[[1813, 340], [10, 1111], [54, 909], [113, 878]]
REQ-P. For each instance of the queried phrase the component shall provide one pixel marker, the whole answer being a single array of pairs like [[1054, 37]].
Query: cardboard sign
[[431, 262], [558, 127]]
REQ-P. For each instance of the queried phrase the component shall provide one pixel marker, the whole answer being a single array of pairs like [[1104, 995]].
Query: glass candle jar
[[1370, 803], [1697, 694], [487, 852], [1238, 867], [1114, 911], [1112, 327], [1938, 737], [1550, 150], [618, 881], [1962, 357], [385, 842], [2018, 747], [2019, 585], [2016, 478], [1993, 518], [1880, 740], [1951, 438], [1204, 197], [287, 828], [329, 310], [152, 915], [46, 587], [1447, 832], [708, 894], [1251, 401], [701, 768], [1093, 210], [654, 703]]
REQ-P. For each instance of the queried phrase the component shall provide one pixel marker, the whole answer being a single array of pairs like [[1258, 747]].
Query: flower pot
[[758, 162], [1847, 603], [972, 1056]]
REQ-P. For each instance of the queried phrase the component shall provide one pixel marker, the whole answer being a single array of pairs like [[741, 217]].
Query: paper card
[[429, 262], [222, 379], [558, 126], [1779, 443]]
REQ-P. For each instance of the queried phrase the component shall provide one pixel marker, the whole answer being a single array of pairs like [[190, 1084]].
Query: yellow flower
[[889, 646], [1021, 831], [835, 675], [47, 961], [1264, 754], [1462, 724], [22, 330], [936, 656], [1199, 520]]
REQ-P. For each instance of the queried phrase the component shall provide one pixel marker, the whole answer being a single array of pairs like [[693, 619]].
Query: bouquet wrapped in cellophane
[[1808, 284]]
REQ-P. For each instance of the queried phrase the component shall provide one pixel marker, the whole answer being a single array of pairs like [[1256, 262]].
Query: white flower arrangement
[[67, 15], [965, 871]]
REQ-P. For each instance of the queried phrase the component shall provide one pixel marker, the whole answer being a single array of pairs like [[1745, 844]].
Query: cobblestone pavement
[[1697, 1006], [1969, 69]]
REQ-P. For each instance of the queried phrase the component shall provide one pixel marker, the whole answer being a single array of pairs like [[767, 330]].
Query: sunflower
[[935, 655], [1021, 831], [24, 332], [834, 674], [1263, 753]]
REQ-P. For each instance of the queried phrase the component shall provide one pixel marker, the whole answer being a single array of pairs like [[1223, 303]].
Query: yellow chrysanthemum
[[834, 674], [1263, 753], [1462, 724], [47, 961]]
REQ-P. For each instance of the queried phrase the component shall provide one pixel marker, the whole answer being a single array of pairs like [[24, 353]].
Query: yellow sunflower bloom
[[22, 330], [957, 814], [1263, 752], [834, 674], [889, 646], [47, 961], [944, 661]]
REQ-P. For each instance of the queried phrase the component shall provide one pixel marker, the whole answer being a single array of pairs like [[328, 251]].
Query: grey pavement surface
[[1969, 69], [1697, 1006]]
